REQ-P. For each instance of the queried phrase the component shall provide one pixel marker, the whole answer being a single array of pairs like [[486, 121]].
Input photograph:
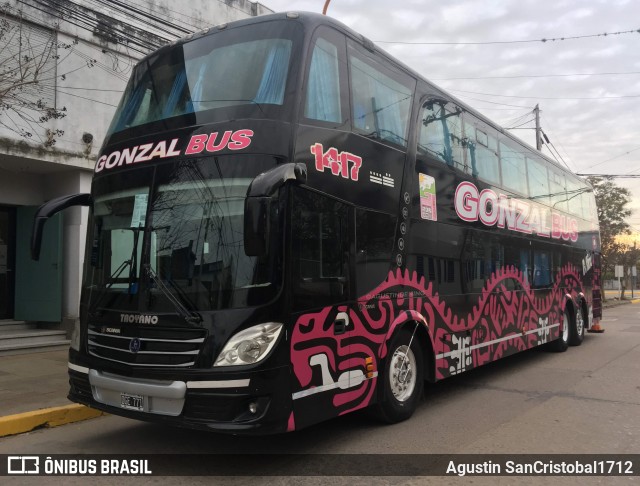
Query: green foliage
[[612, 201]]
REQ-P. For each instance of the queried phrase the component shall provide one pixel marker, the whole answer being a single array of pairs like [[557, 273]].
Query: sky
[[588, 89]]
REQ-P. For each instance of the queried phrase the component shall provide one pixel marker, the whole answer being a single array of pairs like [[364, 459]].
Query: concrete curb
[[615, 302], [47, 417]]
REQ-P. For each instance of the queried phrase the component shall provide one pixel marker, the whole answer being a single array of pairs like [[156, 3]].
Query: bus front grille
[[149, 347]]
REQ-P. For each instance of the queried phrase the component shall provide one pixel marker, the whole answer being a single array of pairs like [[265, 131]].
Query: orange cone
[[596, 327]]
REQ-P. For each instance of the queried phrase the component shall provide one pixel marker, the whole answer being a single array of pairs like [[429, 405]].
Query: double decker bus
[[287, 225]]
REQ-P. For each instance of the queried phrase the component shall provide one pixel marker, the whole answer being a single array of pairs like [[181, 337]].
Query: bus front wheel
[[401, 385]]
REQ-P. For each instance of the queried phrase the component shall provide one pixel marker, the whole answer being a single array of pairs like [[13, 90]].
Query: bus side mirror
[[47, 210], [257, 206], [256, 225]]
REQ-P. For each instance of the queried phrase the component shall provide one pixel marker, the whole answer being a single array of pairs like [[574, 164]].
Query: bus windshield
[[182, 235], [240, 68]]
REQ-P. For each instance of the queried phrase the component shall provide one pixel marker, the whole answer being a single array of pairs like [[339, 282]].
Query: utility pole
[[536, 112]]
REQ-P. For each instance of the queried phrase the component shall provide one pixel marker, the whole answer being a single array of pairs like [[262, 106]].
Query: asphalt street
[[586, 400]]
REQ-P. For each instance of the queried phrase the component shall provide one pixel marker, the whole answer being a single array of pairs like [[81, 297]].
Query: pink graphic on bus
[[501, 323]]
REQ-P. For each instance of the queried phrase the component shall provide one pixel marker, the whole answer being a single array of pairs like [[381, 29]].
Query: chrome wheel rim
[[402, 373], [579, 323], [565, 328]]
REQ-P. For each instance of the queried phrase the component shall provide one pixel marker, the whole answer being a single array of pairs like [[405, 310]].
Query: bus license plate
[[132, 402]]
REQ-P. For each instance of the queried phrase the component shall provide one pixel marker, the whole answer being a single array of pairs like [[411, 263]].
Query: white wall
[[88, 81], [96, 70]]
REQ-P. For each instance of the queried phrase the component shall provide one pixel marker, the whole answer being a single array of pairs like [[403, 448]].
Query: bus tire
[[400, 387], [576, 329], [562, 343]]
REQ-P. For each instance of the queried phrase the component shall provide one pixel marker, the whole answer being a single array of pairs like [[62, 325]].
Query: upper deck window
[[323, 86], [239, 67], [558, 189], [514, 168], [538, 180], [482, 149], [381, 100], [441, 133]]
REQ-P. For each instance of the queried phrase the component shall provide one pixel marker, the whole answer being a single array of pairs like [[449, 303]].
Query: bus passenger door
[[321, 241]]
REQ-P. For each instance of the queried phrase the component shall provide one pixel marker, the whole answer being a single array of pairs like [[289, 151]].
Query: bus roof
[[311, 20]]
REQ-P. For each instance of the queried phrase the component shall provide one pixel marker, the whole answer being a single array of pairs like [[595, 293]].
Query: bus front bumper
[[243, 403]]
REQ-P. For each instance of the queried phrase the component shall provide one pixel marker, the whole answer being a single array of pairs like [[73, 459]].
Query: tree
[[28, 59], [612, 201]]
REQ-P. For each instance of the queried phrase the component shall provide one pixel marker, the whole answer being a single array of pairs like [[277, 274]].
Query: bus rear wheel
[[400, 387], [576, 334]]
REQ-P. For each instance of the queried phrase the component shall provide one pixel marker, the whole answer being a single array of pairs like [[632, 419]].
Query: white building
[[95, 44]]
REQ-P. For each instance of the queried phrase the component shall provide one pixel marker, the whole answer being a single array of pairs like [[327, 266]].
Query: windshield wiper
[[189, 316], [110, 281], [131, 263]]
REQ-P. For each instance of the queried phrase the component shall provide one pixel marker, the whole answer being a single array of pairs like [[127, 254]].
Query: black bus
[[286, 225]]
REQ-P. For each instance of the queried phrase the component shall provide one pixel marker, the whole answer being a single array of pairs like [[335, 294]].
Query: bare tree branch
[[28, 63]]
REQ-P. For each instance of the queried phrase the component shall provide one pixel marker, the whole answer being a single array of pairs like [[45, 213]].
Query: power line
[[127, 10], [549, 143], [566, 153], [105, 68], [494, 102], [517, 119], [566, 75], [59, 90], [612, 158], [612, 176], [546, 97], [85, 98], [522, 124], [543, 40], [86, 22], [92, 89], [202, 25]]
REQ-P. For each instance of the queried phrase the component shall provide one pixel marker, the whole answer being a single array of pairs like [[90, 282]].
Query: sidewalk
[[33, 393], [33, 381]]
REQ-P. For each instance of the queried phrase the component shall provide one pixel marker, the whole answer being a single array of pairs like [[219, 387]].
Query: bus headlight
[[249, 346]]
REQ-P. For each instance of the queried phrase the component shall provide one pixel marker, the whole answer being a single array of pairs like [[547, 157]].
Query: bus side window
[[441, 134], [538, 181], [482, 152], [381, 100], [323, 99], [374, 245], [320, 237], [481, 258], [574, 196], [514, 168], [517, 256], [588, 204], [558, 188], [541, 269]]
